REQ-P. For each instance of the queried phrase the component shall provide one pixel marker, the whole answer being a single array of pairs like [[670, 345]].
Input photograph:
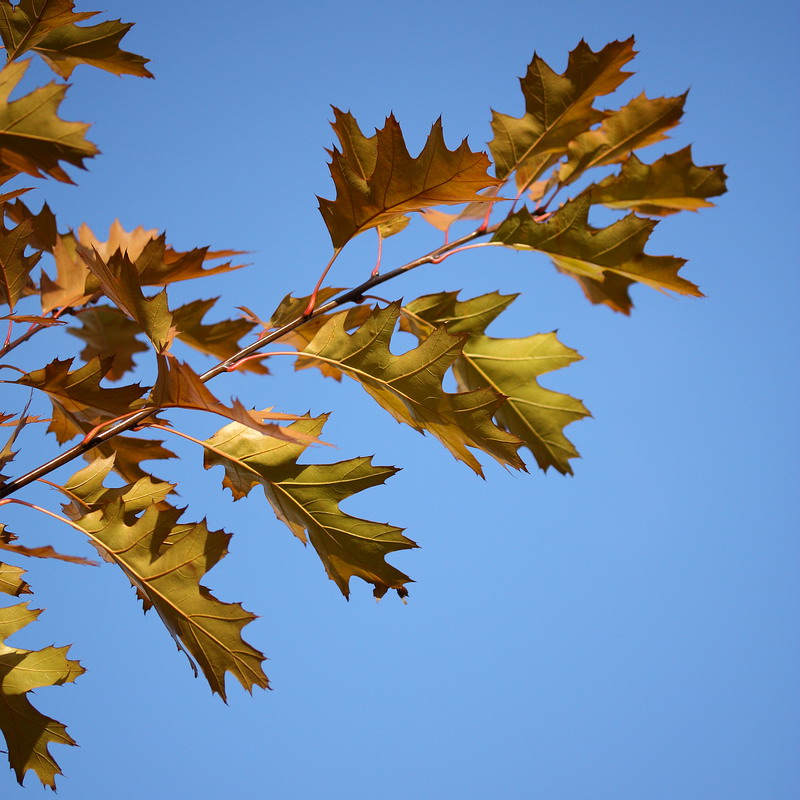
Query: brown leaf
[[377, 180], [557, 109], [15, 266], [110, 335], [218, 339], [33, 138], [120, 282]]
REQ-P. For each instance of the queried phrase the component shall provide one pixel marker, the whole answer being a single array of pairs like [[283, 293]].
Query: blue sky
[[627, 633]]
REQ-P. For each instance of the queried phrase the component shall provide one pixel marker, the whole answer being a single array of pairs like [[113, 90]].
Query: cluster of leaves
[[114, 294]]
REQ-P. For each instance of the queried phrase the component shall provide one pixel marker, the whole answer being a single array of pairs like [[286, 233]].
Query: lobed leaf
[[164, 559], [218, 339], [557, 109], [672, 183], [28, 733], [33, 138], [48, 28], [119, 280], [409, 386], [640, 123], [15, 266], [509, 366], [377, 180], [595, 256], [306, 498]]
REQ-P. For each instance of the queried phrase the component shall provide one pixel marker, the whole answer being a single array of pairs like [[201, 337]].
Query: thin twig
[[355, 295]]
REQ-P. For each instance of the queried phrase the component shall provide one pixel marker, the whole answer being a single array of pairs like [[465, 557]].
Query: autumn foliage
[[534, 191]]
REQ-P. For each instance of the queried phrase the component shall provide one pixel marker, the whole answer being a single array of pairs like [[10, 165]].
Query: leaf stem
[[355, 295]]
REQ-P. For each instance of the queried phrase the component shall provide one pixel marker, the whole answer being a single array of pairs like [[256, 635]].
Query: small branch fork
[[355, 295]]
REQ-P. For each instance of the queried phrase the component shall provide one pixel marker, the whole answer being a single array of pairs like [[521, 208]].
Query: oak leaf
[[591, 254], [28, 733], [557, 109], [120, 282], [33, 138], [179, 386], [306, 498], [15, 266], [640, 123], [108, 334], [78, 398], [11, 580], [165, 559], [409, 386], [377, 180], [509, 366], [218, 339], [670, 184]]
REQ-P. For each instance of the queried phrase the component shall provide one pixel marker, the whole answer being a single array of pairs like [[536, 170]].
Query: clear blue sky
[[627, 633]]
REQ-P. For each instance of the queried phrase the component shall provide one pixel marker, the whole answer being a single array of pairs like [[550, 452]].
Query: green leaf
[[509, 366], [33, 138], [377, 180], [164, 559], [593, 254], [306, 498], [672, 183], [640, 123], [557, 108], [409, 386], [27, 732]]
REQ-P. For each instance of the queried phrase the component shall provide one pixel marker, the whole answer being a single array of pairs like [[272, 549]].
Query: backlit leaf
[[179, 386], [409, 386], [108, 334], [306, 498], [377, 180], [557, 108], [640, 123], [218, 339], [11, 580], [672, 183], [164, 559], [33, 138], [28, 733], [15, 266], [120, 282], [509, 366], [585, 252]]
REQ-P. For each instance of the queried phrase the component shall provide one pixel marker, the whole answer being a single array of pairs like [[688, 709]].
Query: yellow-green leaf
[[509, 366], [28, 733], [409, 386], [588, 253], [672, 183], [306, 498], [640, 123], [11, 580], [164, 559]]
